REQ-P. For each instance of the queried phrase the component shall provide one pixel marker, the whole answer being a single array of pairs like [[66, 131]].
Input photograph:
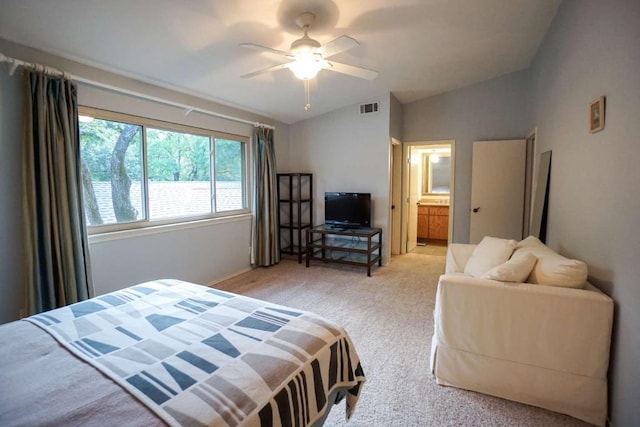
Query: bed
[[169, 352]]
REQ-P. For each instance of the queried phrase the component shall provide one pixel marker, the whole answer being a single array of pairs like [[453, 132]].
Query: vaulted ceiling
[[419, 47]]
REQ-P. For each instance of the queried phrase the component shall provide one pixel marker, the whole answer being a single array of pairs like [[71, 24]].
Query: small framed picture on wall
[[596, 114]]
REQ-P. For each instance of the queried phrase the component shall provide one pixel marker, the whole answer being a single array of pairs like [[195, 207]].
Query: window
[[230, 193], [179, 174], [138, 172]]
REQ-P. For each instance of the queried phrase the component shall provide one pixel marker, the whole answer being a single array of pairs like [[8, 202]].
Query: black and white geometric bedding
[[199, 356]]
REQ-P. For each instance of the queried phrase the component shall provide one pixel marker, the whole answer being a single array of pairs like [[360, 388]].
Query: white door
[[414, 197], [497, 189], [396, 198]]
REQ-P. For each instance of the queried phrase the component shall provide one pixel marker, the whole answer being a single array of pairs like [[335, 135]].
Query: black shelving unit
[[295, 211]]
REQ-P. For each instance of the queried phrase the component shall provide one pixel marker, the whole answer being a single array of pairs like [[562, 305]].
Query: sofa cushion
[[458, 255], [534, 245], [516, 270], [552, 268], [490, 253]]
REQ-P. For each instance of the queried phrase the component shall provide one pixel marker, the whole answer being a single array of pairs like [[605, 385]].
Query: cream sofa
[[538, 344]]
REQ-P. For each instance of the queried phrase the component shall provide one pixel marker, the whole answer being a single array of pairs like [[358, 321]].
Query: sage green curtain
[[265, 239], [56, 245]]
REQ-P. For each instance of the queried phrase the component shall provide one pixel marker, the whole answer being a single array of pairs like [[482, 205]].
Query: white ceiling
[[419, 47]]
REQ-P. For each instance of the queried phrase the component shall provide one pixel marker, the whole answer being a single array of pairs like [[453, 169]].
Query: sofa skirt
[[579, 396]]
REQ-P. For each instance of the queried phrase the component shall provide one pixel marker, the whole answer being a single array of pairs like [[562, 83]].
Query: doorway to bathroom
[[428, 186]]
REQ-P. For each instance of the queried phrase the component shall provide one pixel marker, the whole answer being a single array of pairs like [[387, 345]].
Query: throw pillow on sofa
[[552, 268], [490, 253], [516, 270], [534, 245]]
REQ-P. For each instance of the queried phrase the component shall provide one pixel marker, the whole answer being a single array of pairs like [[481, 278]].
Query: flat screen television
[[347, 210]]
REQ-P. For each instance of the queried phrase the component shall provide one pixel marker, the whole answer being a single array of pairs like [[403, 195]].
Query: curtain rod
[[15, 63]]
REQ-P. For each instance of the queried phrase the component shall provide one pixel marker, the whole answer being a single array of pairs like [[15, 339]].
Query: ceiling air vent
[[369, 108]]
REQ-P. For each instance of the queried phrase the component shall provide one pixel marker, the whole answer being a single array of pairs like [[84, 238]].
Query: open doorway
[[427, 195]]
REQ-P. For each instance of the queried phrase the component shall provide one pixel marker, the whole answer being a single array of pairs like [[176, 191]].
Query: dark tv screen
[[349, 210]]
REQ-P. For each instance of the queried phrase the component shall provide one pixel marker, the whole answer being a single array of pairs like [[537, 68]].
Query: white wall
[[204, 254], [199, 254], [395, 118], [593, 49], [495, 109], [348, 152]]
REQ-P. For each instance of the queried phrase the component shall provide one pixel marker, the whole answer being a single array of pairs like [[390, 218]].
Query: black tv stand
[[342, 227], [353, 246]]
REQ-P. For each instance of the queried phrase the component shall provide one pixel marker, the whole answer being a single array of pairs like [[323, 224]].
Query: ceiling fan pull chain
[[307, 103]]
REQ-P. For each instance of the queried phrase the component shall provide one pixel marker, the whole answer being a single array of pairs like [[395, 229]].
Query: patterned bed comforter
[[199, 356]]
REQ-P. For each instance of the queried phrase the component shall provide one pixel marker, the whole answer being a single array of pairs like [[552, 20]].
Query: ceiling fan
[[307, 56]]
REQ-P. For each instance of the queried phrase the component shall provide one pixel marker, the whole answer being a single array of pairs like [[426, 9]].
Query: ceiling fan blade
[[266, 49], [266, 70], [352, 70], [337, 45]]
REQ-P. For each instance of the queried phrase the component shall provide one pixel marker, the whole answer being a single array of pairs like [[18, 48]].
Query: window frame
[[212, 134]]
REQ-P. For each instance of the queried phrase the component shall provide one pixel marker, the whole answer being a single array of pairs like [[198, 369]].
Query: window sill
[[166, 228]]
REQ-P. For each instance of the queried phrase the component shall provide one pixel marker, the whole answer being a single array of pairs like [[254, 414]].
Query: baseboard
[[231, 276]]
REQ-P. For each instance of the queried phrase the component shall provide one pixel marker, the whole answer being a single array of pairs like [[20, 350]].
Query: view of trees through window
[[178, 173]]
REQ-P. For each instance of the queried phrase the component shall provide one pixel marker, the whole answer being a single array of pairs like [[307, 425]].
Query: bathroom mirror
[[436, 173]]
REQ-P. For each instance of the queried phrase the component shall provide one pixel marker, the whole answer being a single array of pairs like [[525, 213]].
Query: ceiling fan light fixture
[[304, 45], [307, 57], [306, 65]]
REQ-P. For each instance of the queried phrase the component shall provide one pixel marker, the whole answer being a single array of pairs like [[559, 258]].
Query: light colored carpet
[[439, 249], [389, 317]]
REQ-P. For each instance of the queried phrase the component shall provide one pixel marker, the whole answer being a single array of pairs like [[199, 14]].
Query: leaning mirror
[[436, 173]]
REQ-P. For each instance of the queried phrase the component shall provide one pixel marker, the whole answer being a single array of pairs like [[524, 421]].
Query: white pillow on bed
[[516, 270], [490, 253]]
